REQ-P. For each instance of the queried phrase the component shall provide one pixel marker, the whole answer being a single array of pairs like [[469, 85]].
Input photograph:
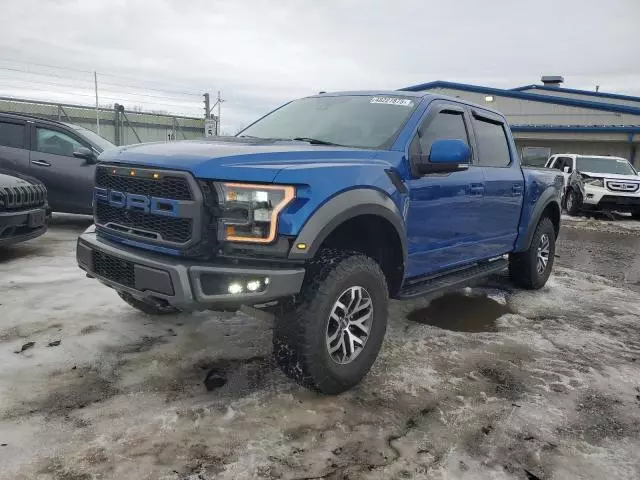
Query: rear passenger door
[[69, 180], [14, 153], [504, 184]]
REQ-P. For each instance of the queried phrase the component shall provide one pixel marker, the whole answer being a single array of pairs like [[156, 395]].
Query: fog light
[[266, 281], [253, 285], [235, 288]]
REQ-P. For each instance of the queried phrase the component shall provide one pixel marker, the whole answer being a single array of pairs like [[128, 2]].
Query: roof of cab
[[406, 93]]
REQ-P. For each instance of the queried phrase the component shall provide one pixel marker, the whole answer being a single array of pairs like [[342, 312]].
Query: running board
[[450, 280]]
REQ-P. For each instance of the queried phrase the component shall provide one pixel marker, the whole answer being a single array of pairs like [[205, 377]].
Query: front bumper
[[16, 227], [600, 198], [182, 283]]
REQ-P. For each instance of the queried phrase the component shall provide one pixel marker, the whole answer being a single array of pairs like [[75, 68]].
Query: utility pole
[[219, 102], [207, 107], [95, 81]]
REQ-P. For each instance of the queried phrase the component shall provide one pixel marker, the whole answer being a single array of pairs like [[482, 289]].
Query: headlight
[[250, 212], [596, 182]]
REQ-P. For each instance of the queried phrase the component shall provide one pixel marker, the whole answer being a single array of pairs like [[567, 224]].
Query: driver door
[[445, 212], [69, 180]]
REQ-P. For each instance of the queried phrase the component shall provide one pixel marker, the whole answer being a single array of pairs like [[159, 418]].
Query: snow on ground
[[612, 223], [524, 385]]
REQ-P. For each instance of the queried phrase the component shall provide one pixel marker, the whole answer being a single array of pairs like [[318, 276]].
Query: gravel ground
[[490, 382]]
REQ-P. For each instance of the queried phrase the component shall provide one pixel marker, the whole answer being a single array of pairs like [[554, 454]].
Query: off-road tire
[[148, 307], [635, 215], [573, 203], [523, 265], [299, 335]]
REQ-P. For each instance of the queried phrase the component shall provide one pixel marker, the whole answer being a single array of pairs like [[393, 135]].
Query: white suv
[[598, 183]]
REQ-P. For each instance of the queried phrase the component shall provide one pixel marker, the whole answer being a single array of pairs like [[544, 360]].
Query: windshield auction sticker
[[402, 102]]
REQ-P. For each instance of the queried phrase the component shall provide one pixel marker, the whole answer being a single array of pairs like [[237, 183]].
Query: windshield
[[96, 140], [618, 166], [366, 121]]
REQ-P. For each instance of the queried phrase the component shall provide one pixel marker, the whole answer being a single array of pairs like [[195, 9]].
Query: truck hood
[[612, 176], [256, 160]]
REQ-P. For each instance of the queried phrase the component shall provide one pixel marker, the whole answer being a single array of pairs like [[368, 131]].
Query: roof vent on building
[[552, 80]]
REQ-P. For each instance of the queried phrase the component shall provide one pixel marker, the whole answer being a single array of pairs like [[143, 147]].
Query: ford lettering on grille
[[154, 208], [134, 201]]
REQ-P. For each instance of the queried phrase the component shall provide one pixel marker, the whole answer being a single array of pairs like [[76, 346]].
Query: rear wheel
[[574, 203], [531, 269], [635, 216], [148, 307], [330, 338]]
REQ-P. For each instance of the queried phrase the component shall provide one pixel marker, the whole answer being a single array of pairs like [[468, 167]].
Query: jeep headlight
[[596, 182], [250, 211]]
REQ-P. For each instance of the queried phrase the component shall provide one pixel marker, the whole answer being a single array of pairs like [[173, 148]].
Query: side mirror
[[446, 156], [87, 154], [566, 169]]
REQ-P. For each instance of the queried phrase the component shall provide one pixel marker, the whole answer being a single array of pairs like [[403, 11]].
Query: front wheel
[[574, 202], [330, 338], [635, 215], [531, 269]]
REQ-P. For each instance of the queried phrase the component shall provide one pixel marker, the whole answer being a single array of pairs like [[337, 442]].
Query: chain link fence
[[118, 125]]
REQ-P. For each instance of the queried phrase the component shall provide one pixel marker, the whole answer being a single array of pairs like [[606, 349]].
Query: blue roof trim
[[590, 93], [525, 96], [576, 128]]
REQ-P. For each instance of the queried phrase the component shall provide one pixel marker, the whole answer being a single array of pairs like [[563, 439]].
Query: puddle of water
[[461, 313]]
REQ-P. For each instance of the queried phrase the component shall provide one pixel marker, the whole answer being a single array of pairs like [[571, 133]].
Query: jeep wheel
[[635, 215], [330, 338], [531, 269], [148, 307], [574, 203]]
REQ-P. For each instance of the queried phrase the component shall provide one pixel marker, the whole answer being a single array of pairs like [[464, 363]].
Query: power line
[[42, 74], [73, 85], [117, 99], [91, 73]]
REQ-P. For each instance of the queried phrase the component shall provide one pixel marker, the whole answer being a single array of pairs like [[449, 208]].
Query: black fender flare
[[549, 196], [341, 208]]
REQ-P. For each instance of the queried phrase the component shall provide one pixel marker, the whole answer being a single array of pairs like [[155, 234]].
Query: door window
[[493, 147], [12, 135], [55, 142], [559, 163], [444, 126], [564, 162]]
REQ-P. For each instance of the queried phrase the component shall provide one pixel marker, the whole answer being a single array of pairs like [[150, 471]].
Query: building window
[[535, 156]]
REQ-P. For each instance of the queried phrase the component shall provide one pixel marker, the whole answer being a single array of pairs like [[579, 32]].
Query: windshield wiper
[[315, 141]]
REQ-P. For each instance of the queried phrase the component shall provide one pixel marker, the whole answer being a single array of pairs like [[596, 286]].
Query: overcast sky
[[261, 53]]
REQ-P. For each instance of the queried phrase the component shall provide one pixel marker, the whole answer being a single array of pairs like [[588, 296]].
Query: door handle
[[476, 189], [516, 190], [41, 163]]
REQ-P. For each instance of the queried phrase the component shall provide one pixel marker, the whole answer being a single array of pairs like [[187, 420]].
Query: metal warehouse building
[[548, 118]]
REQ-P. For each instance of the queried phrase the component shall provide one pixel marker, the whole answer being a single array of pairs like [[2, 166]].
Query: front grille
[[173, 187], [628, 187], [142, 223], [169, 228], [22, 197], [114, 269]]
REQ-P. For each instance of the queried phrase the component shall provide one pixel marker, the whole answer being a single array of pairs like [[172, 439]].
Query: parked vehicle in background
[[61, 155], [598, 183], [23, 208], [328, 206]]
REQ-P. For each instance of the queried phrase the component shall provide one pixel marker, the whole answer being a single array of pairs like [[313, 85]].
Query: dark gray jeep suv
[[61, 155]]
